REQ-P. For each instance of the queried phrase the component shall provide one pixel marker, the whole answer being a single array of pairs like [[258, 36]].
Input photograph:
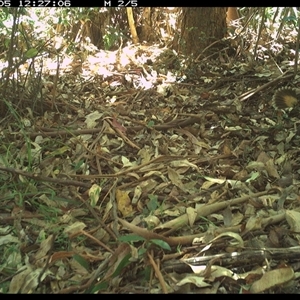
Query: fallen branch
[[203, 211], [206, 210], [38, 177]]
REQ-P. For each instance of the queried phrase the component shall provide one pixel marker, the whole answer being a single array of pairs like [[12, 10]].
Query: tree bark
[[200, 27]]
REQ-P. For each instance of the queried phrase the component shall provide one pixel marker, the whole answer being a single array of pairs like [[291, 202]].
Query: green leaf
[[162, 244], [83, 262], [153, 203], [254, 175], [98, 287], [124, 263], [131, 238], [31, 53], [142, 251], [78, 165], [146, 273], [150, 124]]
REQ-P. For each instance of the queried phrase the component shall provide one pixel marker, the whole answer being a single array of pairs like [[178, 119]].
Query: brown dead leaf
[[263, 157], [27, 281], [271, 279], [74, 228], [122, 250], [254, 223], [241, 176], [124, 203], [271, 169], [175, 178], [192, 215], [45, 246], [117, 125], [293, 219]]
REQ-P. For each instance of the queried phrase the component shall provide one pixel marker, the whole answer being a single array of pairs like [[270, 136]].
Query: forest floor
[[145, 172]]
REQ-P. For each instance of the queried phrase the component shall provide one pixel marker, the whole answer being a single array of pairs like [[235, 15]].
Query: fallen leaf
[[124, 203], [271, 279]]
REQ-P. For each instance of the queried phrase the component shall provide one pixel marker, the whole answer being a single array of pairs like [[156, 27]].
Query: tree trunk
[[146, 31], [131, 23], [200, 27]]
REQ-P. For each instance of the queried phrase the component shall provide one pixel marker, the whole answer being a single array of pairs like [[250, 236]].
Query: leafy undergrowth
[[148, 179]]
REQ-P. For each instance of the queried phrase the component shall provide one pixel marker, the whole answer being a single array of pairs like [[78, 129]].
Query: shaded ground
[[141, 164]]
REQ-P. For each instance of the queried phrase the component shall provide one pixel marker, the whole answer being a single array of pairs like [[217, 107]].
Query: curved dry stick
[[201, 212], [39, 177], [158, 274], [149, 235], [206, 210]]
